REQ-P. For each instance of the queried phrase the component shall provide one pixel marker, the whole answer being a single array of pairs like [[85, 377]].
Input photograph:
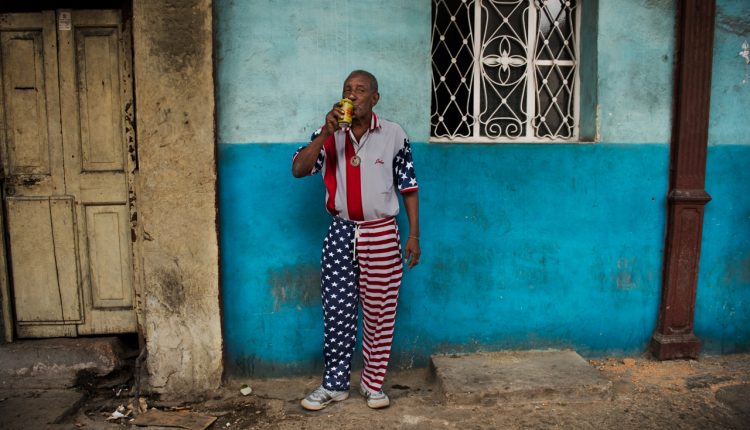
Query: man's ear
[[375, 99]]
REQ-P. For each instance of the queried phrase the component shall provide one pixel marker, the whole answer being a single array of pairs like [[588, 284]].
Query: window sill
[[520, 140]]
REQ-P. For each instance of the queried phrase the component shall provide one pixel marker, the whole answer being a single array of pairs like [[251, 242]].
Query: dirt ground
[[710, 393]]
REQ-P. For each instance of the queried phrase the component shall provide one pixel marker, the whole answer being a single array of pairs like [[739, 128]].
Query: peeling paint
[[745, 53], [31, 181], [26, 180]]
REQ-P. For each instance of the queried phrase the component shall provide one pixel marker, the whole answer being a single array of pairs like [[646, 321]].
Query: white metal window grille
[[505, 70]]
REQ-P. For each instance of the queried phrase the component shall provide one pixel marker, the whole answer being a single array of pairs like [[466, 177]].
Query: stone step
[[37, 409], [57, 363], [518, 377]]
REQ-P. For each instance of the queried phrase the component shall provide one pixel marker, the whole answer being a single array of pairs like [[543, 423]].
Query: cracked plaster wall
[[177, 194]]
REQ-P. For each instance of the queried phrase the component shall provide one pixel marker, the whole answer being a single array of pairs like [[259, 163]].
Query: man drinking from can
[[364, 167]]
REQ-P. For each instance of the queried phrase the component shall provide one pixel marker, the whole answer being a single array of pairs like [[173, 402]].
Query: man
[[363, 167]]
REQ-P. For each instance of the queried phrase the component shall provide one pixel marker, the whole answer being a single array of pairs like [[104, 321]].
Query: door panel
[[109, 256], [98, 62], [42, 231], [23, 78]]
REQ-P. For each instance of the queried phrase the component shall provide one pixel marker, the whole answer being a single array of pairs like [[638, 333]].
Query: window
[[505, 70]]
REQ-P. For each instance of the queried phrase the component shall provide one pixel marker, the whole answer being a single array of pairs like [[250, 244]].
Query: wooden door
[[67, 144]]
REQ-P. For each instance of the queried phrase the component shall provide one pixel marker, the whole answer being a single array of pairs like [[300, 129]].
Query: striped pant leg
[[339, 293], [380, 265]]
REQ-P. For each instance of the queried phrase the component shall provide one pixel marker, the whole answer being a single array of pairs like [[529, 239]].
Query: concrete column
[[176, 195]]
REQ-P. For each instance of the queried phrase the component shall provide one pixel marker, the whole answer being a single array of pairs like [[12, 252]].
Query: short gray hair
[[368, 75]]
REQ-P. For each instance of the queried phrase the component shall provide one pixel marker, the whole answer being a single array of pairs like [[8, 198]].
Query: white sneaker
[[321, 397], [375, 399]]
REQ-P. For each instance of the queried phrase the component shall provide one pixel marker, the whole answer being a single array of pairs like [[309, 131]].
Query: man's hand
[[412, 252], [332, 118], [303, 164]]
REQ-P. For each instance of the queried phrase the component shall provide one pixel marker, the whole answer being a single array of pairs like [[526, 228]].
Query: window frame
[[532, 65]]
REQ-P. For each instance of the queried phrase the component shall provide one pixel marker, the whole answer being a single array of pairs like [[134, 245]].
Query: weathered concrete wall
[[177, 193]]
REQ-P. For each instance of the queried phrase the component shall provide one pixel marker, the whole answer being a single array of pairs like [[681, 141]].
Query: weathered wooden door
[[68, 155]]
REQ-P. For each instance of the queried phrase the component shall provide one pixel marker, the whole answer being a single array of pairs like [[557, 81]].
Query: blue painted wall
[[525, 245], [722, 314]]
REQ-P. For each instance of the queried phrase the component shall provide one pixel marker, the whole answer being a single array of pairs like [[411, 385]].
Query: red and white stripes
[[379, 254]]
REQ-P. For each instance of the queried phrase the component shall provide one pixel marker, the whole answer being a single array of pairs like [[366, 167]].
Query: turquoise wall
[[281, 64], [722, 314], [524, 245]]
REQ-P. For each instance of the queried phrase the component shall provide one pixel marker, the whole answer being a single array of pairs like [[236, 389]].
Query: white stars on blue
[[403, 168], [340, 278]]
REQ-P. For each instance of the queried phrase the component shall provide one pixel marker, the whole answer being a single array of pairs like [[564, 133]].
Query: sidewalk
[[711, 393], [630, 393]]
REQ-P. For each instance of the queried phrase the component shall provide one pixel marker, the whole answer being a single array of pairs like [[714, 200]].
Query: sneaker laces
[[320, 393], [375, 395]]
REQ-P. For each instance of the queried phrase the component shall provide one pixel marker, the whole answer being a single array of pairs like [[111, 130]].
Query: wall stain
[[450, 270], [737, 271], [624, 275], [659, 4], [172, 288], [476, 214], [739, 25], [179, 27], [294, 284], [251, 365]]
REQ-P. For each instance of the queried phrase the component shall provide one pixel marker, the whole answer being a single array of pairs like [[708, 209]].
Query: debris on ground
[[120, 412], [711, 392], [245, 389], [182, 418]]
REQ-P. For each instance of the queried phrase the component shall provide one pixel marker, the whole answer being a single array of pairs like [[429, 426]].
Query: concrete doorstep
[[57, 363], [37, 409], [37, 377], [518, 377]]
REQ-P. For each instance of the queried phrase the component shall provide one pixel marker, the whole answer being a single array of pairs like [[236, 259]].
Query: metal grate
[[504, 70]]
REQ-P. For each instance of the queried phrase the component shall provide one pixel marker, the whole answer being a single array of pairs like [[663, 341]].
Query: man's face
[[357, 88]]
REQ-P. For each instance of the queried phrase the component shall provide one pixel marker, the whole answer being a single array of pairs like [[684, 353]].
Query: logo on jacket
[[379, 161]]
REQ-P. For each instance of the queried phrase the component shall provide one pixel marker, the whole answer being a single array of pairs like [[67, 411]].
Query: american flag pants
[[361, 264]]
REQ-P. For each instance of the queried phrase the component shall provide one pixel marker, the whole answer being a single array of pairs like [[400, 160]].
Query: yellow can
[[348, 107]]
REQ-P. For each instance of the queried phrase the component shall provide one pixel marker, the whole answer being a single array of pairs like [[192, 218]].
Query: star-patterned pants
[[367, 271]]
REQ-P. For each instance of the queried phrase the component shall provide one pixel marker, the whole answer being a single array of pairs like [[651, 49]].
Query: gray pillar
[[176, 194]]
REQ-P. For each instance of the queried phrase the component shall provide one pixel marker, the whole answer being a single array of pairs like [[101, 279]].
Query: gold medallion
[[355, 161]]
